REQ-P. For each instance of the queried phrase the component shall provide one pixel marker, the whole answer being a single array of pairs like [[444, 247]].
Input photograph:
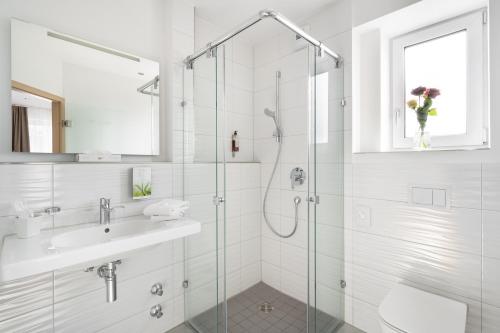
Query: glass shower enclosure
[[298, 279]]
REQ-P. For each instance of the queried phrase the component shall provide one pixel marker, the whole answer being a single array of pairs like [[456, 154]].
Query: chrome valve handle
[[156, 311], [157, 289]]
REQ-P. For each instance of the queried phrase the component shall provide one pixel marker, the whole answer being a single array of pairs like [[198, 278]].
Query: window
[[40, 129], [452, 57]]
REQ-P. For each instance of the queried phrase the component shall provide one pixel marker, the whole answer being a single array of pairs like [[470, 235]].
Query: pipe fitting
[[108, 273], [267, 13]]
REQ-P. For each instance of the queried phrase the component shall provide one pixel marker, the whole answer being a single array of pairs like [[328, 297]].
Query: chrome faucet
[[105, 210]]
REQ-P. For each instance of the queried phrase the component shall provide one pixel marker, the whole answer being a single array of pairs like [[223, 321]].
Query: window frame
[[477, 121]]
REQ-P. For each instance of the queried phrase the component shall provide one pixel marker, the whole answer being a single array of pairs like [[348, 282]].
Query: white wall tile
[[378, 181], [81, 185], [29, 183], [143, 322], [457, 229], [250, 175], [271, 275], [491, 319], [250, 226], [22, 296], [491, 186], [250, 251], [294, 259], [294, 285], [39, 320], [330, 301], [240, 101], [92, 312], [491, 273], [250, 275], [453, 272], [491, 234], [271, 251]]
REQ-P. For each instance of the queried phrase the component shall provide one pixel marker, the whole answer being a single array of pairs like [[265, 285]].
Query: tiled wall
[[235, 96]]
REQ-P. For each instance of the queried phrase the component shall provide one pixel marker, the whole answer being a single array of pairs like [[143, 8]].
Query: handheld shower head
[[270, 113]]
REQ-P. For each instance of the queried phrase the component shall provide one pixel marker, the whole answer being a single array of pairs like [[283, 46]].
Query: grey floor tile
[[244, 315]]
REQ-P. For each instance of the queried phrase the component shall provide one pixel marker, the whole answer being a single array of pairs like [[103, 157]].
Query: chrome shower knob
[[297, 177], [156, 311], [157, 289]]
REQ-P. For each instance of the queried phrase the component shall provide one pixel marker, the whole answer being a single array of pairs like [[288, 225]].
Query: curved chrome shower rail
[[264, 14]]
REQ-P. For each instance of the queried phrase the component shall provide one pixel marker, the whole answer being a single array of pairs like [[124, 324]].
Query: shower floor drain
[[266, 307]]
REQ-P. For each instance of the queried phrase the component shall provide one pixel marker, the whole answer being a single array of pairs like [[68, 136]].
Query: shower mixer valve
[[297, 177]]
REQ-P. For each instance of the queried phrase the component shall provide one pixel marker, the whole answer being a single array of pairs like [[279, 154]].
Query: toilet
[[410, 310]]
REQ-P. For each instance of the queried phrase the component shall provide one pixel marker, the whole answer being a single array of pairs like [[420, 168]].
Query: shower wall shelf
[[65, 247]]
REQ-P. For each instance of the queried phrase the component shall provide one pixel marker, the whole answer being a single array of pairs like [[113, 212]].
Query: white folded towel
[[167, 207], [160, 218]]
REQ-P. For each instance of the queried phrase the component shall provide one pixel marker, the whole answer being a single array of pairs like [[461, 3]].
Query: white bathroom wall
[[448, 251]]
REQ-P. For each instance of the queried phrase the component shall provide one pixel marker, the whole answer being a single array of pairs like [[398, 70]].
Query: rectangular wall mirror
[[74, 96]]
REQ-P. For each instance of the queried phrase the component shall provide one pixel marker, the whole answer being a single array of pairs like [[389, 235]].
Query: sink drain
[[266, 307]]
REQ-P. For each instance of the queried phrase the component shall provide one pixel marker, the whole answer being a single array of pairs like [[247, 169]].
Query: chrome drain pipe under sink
[[108, 273]]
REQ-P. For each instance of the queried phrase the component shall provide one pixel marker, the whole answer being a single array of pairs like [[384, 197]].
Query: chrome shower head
[[270, 113], [273, 115]]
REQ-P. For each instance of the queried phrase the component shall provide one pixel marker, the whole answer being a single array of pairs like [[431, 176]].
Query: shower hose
[[296, 201]]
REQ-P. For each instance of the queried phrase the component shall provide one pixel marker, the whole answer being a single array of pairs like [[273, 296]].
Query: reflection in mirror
[[74, 96], [35, 120]]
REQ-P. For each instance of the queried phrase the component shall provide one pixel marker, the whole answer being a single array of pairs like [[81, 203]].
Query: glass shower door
[[205, 188], [326, 205]]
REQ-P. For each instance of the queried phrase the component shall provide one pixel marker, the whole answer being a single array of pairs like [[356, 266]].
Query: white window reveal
[[451, 57]]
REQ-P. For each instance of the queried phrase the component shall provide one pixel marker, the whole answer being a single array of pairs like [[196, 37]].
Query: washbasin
[[60, 248], [102, 233]]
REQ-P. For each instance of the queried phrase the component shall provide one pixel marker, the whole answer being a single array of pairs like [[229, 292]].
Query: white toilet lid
[[415, 311]]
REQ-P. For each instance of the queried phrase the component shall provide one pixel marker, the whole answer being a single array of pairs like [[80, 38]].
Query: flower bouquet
[[423, 108]]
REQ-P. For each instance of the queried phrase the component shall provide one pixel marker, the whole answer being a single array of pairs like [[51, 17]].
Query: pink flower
[[433, 92], [418, 91]]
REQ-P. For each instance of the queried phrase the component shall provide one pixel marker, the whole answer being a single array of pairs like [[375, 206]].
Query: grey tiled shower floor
[[244, 315]]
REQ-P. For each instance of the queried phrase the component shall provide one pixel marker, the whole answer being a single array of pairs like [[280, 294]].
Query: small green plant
[[142, 190]]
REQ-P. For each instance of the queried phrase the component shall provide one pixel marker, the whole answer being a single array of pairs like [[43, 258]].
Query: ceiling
[[228, 14]]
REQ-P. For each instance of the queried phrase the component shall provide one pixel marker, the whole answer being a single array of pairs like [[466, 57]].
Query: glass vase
[[421, 140]]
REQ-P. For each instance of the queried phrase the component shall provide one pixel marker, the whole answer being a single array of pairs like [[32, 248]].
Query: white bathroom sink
[[102, 233], [60, 248]]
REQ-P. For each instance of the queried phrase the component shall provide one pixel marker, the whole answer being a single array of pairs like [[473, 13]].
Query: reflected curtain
[[20, 131]]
